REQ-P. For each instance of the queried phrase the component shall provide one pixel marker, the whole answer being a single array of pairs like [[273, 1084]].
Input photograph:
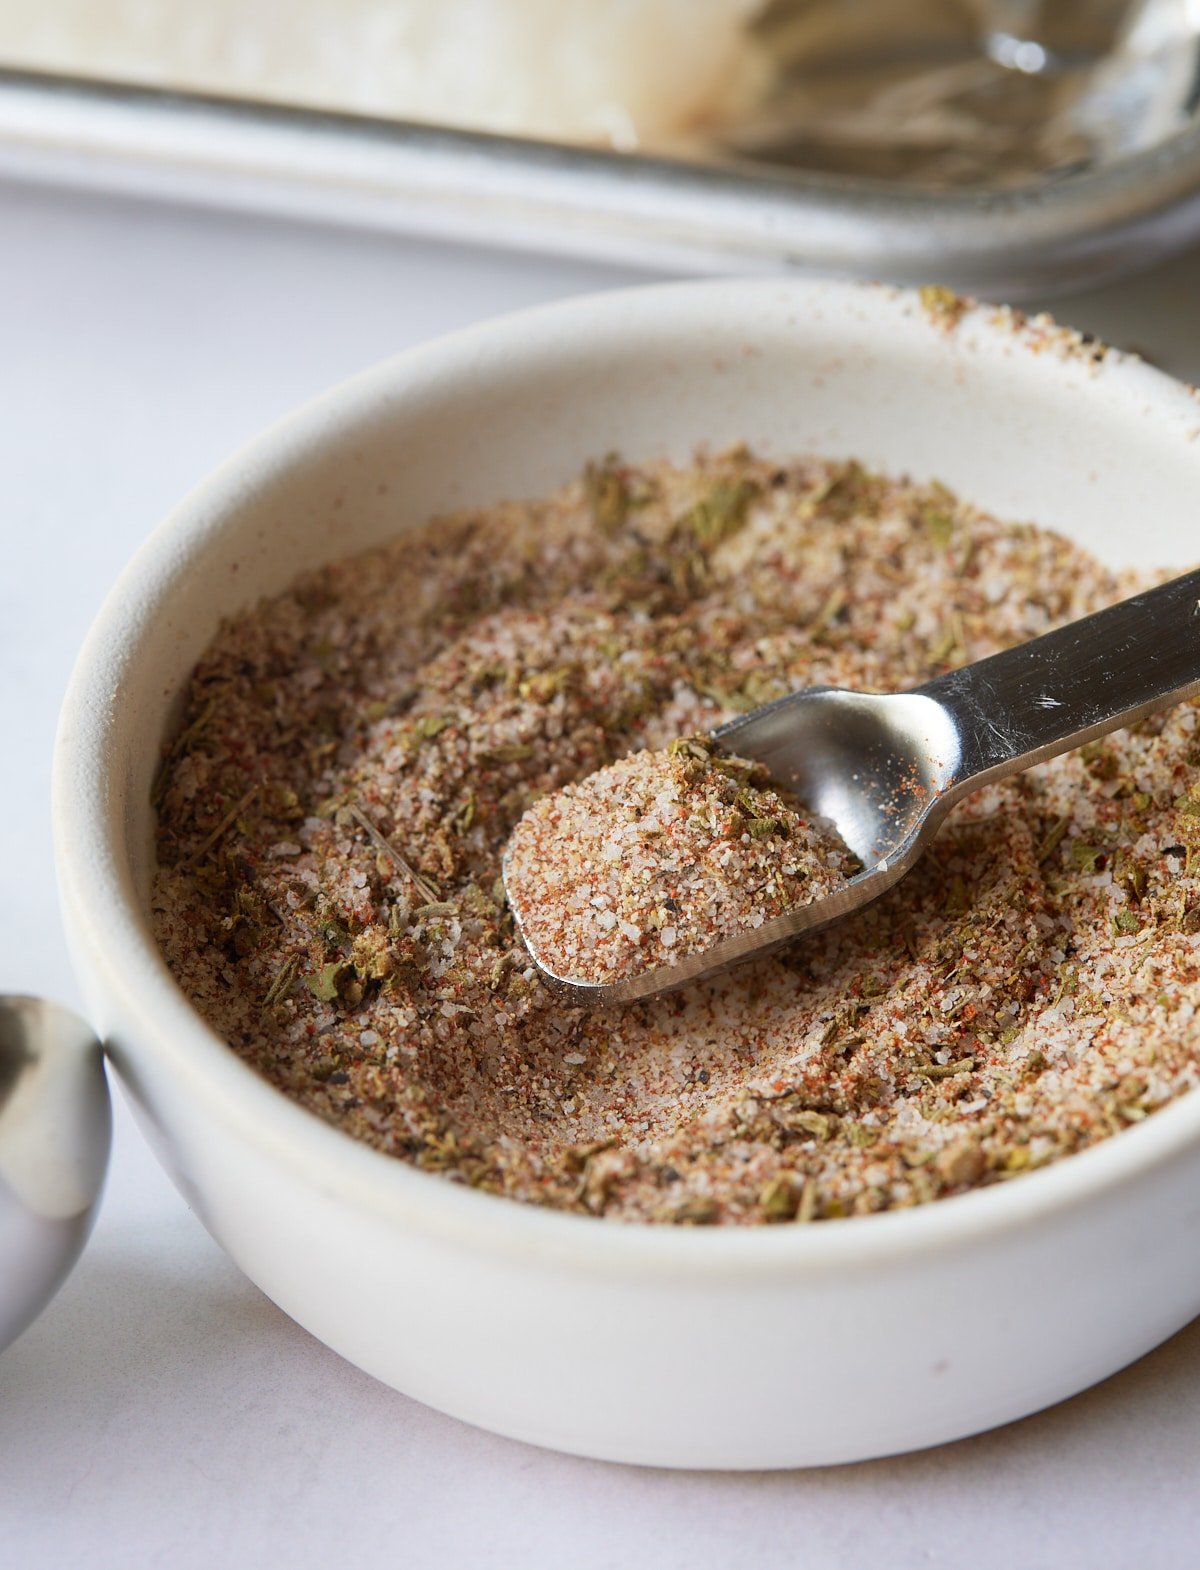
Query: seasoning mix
[[355, 753], [660, 856]]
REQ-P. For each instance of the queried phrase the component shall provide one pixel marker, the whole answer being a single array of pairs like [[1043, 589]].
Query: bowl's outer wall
[[849, 1340], [803, 1366]]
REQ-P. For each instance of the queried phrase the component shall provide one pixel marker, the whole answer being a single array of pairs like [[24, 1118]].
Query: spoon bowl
[[873, 764]]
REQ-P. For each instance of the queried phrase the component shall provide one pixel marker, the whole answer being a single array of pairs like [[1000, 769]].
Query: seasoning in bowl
[[662, 855], [356, 751]]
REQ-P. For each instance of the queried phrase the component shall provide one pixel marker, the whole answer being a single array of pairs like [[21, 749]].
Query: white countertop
[[162, 1412]]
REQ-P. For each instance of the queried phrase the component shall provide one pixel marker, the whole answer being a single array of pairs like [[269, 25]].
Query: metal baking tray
[[681, 214]]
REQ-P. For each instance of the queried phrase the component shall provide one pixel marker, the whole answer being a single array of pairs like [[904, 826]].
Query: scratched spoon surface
[[885, 768]]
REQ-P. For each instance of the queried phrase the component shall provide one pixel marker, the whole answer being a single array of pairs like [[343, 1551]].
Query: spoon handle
[[1062, 689]]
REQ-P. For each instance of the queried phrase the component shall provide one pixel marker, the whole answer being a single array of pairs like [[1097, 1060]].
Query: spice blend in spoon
[[662, 855]]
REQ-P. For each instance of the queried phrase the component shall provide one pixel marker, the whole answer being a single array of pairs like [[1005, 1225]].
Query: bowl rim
[[139, 989]]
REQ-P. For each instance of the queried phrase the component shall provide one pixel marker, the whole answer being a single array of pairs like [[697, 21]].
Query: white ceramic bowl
[[685, 1347]]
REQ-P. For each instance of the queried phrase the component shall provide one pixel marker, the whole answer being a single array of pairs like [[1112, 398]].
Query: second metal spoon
[[55, 1129]]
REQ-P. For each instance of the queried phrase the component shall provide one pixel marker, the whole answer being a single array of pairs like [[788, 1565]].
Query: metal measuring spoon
[[55, 1131], [885, 768]]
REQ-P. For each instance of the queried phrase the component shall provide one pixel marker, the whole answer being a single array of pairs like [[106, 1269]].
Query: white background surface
[[162, 1412]]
